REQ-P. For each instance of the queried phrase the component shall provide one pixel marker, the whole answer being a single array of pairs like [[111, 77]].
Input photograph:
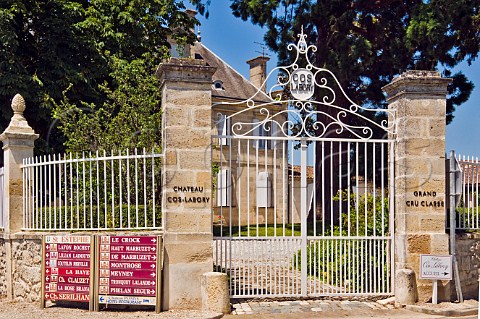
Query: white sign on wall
[[436, 267]]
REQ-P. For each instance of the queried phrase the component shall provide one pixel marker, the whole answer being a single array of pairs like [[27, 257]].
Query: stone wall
[[27, 258], [3, 269], [468, 257]]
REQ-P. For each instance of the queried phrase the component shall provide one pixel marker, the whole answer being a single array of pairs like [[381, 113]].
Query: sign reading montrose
[[67, 268], [128, 267]]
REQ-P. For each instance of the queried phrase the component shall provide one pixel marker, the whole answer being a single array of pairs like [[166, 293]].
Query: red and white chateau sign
[[128, 269], [67, 267]]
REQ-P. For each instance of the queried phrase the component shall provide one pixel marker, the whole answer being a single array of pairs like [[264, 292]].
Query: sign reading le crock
[[301, 84]]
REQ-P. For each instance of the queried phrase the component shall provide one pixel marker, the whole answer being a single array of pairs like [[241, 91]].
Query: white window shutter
[[223, 127], [264, 190], [273, 133], [224, 185]]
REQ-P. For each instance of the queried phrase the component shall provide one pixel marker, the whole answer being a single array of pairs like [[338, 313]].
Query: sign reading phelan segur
[[436, 267]]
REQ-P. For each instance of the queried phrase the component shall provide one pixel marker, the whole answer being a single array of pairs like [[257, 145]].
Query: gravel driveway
[[20, 310]]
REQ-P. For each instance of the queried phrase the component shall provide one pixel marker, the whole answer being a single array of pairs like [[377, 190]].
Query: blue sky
[[233, 40]]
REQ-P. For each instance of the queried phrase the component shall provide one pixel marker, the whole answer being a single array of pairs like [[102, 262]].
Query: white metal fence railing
[[2, 196], [120, 190], [468, 210]]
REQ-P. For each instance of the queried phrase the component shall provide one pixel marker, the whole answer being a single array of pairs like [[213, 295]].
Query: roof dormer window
[[218, 85]]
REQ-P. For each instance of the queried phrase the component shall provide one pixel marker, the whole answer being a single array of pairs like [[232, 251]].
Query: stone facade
[[419, 100], [468, 258], [241, 161], [186, 174], [3, 269], [27, 264]]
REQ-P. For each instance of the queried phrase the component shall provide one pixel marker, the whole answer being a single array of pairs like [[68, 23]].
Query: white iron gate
[[302, 191]]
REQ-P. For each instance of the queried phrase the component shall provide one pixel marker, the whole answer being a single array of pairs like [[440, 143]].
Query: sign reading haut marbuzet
[[128, 270], [66, 268]]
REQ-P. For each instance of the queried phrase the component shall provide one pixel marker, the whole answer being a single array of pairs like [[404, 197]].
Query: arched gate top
[[311, 98]]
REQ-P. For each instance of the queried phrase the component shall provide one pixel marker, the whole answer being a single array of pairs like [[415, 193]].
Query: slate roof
[[235, 86], [296, 169]]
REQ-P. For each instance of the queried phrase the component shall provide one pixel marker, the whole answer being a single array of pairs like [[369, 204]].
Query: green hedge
[[89, 217]]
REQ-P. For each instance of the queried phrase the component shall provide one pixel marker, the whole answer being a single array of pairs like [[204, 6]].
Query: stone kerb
[[186, 179], [419, 100]]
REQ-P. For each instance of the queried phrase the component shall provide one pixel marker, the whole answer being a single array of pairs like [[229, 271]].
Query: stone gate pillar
[[186, 186], [419, 99], [18, 142]]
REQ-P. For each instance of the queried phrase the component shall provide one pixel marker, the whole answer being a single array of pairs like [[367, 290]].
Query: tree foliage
[[83, 54], [366, 43], [129, 117]]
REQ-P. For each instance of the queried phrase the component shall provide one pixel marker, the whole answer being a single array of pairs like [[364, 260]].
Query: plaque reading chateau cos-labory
[[67, 266], [127, 272], [188, 195]]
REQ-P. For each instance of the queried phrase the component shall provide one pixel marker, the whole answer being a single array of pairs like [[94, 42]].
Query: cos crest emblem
[[301, 84]]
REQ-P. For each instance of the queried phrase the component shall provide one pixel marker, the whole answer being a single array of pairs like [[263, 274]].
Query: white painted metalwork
[[314, 118], [328, 227], [467, 212], [2, 197], [94, 191]]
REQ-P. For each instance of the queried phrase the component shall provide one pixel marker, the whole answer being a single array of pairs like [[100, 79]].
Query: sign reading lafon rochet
[[436, 267], [188, 194], [67, 268], [128, 270]]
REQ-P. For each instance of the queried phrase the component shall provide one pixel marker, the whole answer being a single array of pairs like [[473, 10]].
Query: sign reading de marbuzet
[[436, 267]]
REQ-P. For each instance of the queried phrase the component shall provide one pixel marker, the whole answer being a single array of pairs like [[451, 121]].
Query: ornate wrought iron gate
[[302, 189]]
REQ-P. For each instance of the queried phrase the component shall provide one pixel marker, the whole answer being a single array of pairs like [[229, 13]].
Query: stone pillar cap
[[18, 127], [423, 82]]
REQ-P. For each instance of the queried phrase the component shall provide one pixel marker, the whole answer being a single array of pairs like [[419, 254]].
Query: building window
[[218, 85], [223, 130], [266, 129], [264, 190]]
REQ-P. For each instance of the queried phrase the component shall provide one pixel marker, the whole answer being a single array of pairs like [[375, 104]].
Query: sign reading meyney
[[436, 267], [67, 268], [128, 270]]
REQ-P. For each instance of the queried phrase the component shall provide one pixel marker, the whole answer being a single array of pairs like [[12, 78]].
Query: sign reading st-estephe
[[66, 268], [436, 267]]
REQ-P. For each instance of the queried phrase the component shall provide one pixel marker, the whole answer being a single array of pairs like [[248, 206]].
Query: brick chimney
[[258, 71]]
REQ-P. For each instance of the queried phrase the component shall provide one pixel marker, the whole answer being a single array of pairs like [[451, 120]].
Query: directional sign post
[[66, 268], [436, 268], [127, 270]]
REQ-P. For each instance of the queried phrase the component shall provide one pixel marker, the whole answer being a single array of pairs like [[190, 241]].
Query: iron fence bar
[[56, 187]]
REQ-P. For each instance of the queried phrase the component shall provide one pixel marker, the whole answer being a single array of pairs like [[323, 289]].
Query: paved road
[[346, 309], [326, 309]]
